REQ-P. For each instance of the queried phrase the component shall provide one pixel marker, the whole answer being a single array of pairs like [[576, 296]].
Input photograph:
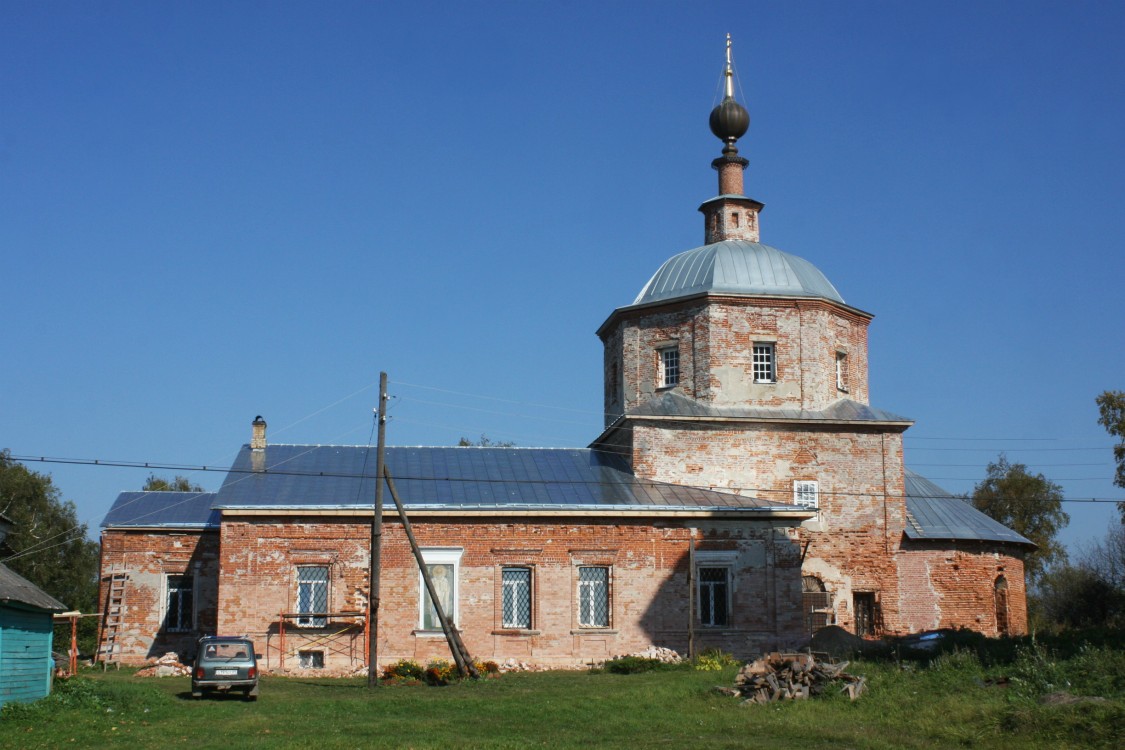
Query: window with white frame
[[312, 596], [179, 610], [593, 597], [669, 366], [442, 563], [765, 370], [806, 493], [842, 372], [714, 596], [515, 584]]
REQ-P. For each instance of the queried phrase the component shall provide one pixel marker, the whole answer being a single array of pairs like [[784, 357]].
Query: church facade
[[743, 493]]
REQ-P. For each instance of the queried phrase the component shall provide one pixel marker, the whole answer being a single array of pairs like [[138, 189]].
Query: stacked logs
[[781, 677]]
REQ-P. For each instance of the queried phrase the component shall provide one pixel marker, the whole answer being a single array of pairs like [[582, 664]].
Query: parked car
[[225, 663]]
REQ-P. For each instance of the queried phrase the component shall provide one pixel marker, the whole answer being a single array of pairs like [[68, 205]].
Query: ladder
[[109, 645]]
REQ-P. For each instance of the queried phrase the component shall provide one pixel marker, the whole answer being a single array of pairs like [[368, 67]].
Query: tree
[[47, 546], [179, 484], [1028, 503], [1111, 406]]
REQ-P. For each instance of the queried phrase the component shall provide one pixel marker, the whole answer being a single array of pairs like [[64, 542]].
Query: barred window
[[593, 597], [842, 372], [806, 493], [312, 595], [179, 612], [669, 367], [763, 360], [516, 596], [714, 593]]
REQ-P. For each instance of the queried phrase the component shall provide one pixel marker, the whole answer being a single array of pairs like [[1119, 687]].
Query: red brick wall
[[150, 556], [953, 584], [648, 596], [715, 338]]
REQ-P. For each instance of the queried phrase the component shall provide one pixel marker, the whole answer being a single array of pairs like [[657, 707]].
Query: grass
[[942, 701]]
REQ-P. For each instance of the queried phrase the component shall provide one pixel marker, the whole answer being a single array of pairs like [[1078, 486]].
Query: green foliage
[[440, 672], [1077, 596], [632, 665], [178, 484], [1111, 410], [714, 659], [47, 546], [403, 669], [1028, 503]]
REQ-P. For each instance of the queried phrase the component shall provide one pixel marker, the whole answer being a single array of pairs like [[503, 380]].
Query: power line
[[403, 478]]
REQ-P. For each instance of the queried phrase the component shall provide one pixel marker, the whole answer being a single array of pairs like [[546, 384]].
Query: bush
[[714, 659], [403, 669], [440, 672], [632, 665]]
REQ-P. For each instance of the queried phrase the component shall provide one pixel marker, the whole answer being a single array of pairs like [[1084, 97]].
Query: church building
[[743, 493]]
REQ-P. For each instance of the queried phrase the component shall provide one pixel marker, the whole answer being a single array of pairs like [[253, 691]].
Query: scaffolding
[[342, 634]]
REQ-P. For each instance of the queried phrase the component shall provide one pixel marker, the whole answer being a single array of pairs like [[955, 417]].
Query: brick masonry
[[857, 543], [647, 560]]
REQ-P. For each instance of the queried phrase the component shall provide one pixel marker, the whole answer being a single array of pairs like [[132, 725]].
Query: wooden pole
[[456, 646], [375, 574], [74, 644], [691, 597]]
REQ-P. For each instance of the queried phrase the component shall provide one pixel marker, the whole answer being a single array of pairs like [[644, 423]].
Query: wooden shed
[[26, 633]]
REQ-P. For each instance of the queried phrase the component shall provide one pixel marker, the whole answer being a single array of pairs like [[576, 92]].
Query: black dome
[[729, 120]]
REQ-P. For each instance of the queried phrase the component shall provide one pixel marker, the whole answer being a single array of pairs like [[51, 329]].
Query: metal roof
[[463, 478], [737, 267], [164, 508], [15, 588], [672, 404], [935, 513]]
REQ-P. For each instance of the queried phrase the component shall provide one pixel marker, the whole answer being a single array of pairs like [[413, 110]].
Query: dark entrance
[[866, 613]]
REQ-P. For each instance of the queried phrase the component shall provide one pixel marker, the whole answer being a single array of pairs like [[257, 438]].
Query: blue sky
[[210, 211]]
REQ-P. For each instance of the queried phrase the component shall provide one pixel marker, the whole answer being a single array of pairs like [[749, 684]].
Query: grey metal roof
[[672, 404], [182, 510], [462, 478], [737, 267], [935, 513], [15, 588]]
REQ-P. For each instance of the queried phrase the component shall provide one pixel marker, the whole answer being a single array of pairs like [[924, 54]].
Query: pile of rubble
[[168, 665], [665, 655], [782, 677]]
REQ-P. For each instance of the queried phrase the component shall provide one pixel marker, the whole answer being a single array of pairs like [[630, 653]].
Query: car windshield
[[228, 651]]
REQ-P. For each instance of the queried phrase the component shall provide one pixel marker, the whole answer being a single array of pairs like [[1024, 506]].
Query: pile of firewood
[[166, 666], [786, 677]]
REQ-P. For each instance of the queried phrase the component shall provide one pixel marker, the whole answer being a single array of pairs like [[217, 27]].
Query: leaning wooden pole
[[456, 646], [376, 573]]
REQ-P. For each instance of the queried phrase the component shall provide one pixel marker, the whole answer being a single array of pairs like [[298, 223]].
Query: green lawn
[[947, 704]]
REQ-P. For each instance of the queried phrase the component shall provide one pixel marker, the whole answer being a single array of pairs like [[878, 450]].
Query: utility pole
[[377, 541]]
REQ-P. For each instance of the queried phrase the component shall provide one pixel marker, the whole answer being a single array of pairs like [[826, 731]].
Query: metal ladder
[[109, 645]]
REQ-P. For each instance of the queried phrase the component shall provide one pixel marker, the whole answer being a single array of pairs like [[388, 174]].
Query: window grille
[[714, 589], [816, 603], [669, 367], [593, 597], [764, 371], [180, 611], [806, 494], [312, 595], [311, 659], [841, 372], [516, 585]]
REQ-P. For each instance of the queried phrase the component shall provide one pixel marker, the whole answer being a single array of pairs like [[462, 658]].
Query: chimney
[[258, 434]]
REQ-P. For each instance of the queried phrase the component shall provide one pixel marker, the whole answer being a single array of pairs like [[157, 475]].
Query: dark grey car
[[225, 663]]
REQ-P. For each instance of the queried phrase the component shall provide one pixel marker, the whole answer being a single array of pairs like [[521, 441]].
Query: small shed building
[[26, 633]]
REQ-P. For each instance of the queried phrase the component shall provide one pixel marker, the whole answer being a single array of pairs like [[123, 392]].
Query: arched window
[[1000, 591], [816, 603]]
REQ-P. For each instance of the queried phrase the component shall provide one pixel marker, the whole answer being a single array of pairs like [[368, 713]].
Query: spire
[[731, 215]]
